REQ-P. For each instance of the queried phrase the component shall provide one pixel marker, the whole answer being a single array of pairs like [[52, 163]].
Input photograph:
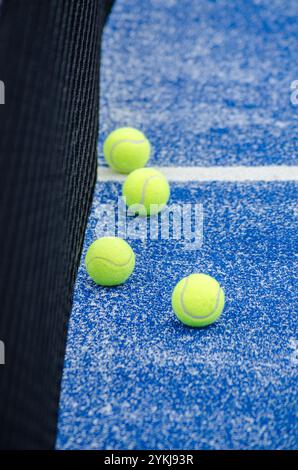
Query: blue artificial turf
[[209, 83], [135, 378]]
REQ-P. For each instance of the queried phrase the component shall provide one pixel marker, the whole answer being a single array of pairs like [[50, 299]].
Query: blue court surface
[[209, 83]]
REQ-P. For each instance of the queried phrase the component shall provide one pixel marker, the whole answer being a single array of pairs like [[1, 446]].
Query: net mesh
[[49, 63]]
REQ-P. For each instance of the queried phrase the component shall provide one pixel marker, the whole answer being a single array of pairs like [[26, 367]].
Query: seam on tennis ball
[[123, 141], [186, 312], [118, 265], [146, 182]]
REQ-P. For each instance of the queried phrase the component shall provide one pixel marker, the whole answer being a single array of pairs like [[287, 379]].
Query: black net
[[49, 65]]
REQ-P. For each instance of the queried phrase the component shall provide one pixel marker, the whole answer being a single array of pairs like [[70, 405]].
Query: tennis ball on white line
[[146, 191], [126, 149], [198, 300], [109, 261]]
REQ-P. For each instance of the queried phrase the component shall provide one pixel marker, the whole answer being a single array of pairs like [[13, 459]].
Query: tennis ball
[[109, 261], [198, 300], [146, 191], [126, 149]]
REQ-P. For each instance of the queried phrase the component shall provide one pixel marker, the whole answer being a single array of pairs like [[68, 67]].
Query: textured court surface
[[208, 81], [209, 87]]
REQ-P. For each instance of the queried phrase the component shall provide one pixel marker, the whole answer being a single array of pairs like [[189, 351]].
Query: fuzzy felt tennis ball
[[146, 191], [109, 261], [198, 300], [126, 149]]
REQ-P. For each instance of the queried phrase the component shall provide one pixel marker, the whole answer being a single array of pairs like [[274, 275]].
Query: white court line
[[215, 173]]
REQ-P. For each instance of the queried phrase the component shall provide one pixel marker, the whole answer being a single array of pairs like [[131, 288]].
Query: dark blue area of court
[[136, 378], [209, 82]]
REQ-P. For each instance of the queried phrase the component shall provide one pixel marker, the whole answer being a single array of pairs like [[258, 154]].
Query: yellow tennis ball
[[126, 149], [198, 300], [109, 261], [146, 191]]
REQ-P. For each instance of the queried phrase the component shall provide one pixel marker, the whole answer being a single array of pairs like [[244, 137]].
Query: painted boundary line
[[215, 173]]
